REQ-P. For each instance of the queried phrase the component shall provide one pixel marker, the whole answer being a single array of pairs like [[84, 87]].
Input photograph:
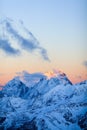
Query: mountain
[[52, 76], [48, 102], [15, 88], [30, 79]]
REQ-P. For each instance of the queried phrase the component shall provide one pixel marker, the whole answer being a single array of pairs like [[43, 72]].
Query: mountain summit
[[36, 102], [54, 73]]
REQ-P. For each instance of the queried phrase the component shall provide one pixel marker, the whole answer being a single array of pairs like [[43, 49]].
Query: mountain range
[[43, 102]]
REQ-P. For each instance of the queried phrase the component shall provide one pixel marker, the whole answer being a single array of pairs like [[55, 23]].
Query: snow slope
[[49, 104]]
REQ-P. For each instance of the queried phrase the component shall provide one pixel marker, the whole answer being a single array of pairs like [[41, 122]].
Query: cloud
[[5, 46], [44, 54], [28, 43], [85, 63]]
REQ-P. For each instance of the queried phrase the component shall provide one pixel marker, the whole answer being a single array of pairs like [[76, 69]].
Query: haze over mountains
[[40, 102]]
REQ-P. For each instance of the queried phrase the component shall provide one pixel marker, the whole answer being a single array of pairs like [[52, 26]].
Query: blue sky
[[59, 25]]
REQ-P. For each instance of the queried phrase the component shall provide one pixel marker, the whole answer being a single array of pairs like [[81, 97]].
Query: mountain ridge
[[47, 104]]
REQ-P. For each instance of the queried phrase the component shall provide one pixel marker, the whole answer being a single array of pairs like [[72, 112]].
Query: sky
[[60, 26]]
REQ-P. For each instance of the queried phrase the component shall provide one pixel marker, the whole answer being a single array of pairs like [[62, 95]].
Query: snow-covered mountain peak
[[82, 83], [52, 77], [54, 73], [4, 20], [15, 87], [30, 79], [15, 80], [58, 75], [12, 84]]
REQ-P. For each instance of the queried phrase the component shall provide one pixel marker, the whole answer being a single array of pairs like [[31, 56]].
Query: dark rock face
[[2, 119], [25, 126], [82, 122], [68, 117], [28, 126], [1, 94]]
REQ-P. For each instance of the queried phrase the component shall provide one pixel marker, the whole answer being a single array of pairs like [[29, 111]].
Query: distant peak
[[54, 73], [5, 19], [82, 82]]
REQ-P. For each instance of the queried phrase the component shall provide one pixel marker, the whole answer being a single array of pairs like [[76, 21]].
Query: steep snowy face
[[80, 92], [58, 76], [31, 79], [15, 88]]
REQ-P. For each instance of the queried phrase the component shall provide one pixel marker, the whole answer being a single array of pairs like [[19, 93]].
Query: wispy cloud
[[28, 43], [44, 54], [85, 63], [5, 46]]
